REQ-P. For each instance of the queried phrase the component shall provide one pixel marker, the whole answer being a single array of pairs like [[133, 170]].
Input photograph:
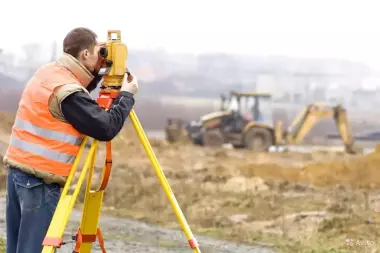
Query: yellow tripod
[[113, 70]]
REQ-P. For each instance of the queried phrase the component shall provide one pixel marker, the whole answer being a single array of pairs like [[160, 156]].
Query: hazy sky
[[336, 28]]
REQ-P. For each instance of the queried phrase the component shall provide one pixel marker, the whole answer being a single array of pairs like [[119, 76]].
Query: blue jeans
[[30, 206]]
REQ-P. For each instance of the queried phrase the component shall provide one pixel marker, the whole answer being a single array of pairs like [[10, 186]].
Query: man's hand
[[130, 84]]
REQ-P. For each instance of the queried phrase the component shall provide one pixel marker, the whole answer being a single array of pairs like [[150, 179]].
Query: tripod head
[[114, 67]]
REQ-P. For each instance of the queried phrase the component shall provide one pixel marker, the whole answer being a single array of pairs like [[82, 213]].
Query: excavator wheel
[[258, 139], [213, 138]]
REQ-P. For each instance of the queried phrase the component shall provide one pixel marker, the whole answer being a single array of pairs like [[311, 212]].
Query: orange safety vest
[[38, 140]]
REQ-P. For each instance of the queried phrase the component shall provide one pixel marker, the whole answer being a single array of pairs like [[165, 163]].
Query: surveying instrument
[[113, 69]]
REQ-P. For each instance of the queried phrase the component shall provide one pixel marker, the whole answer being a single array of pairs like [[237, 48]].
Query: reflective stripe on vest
[[40, 150], [49, 134]]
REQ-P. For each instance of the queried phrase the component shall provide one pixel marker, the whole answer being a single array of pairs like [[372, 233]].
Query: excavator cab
[[252, 106], [256, 107]]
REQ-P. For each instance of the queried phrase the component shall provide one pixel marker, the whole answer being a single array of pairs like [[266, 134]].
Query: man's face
[[90, 59]]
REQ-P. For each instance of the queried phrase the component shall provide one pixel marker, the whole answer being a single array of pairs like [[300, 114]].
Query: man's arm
[[85, 115]]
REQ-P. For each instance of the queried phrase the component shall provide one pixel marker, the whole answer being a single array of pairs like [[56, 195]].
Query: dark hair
[[79, 39]]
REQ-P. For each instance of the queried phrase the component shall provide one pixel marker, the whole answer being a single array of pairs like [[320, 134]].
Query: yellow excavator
[[246, 120]]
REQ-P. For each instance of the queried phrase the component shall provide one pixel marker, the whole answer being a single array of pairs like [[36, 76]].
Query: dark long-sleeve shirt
[[85, 115]]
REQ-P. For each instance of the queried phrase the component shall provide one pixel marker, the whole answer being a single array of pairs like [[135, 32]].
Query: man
[[54, 114]]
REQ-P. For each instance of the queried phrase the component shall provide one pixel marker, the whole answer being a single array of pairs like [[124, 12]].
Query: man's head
[[82, 44]]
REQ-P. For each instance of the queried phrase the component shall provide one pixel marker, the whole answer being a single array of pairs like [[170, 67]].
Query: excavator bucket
[[175, 130]]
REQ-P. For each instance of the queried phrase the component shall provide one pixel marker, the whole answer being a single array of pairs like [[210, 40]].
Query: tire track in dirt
[[123, 235]]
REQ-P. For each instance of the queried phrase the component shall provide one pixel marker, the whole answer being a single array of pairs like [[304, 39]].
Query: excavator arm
[[312, 114]]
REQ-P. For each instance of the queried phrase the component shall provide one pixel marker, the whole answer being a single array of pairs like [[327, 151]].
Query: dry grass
[[6, 124], [2, 245], [249, 197]]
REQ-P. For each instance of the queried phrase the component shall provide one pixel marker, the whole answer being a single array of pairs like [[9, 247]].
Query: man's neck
[[83, 75]]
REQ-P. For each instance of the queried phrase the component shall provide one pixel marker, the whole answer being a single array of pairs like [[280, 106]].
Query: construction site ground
[[284, 202]]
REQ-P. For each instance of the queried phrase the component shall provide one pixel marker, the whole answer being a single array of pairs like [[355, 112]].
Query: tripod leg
[[66, 203], [88, 230], [160, 174]]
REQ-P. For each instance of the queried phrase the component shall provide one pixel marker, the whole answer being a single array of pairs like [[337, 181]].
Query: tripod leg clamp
[[80, 238], [193, 243], [52, 241]]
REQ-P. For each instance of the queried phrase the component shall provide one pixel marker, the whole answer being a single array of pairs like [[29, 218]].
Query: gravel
[[123, 235]]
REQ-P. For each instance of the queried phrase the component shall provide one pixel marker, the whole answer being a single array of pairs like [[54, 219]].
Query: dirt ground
[[293, 202]]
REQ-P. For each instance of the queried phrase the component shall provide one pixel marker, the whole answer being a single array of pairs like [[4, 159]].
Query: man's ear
[[85, 53]]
